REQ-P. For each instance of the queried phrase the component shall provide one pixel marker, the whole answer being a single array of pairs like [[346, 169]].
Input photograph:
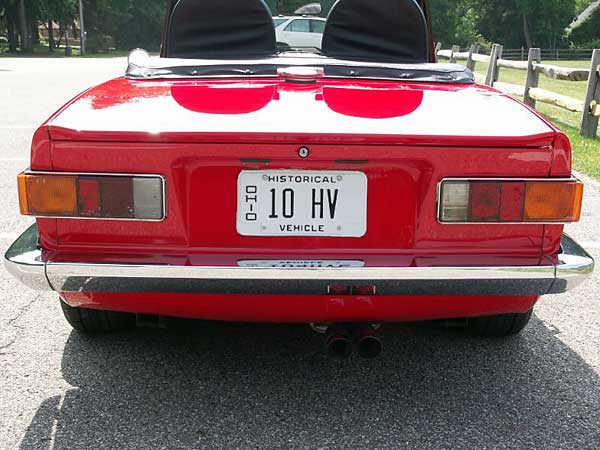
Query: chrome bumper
[[25, 261]]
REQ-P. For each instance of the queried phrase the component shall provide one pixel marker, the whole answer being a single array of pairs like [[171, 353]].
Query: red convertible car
[[226, 180]]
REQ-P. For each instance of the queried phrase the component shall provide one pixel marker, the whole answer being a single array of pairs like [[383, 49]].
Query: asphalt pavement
[[203, 385]]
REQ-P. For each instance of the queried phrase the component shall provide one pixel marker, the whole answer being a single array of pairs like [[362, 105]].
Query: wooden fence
[[555, 54], [530, 91]]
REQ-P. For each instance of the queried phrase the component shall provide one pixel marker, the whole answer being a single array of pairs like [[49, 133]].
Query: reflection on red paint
[[122, 91], [371, 102], [223, 98]]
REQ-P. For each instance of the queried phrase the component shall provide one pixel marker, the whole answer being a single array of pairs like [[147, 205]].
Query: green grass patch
[[575, 89], [42, 51], [586, 151]]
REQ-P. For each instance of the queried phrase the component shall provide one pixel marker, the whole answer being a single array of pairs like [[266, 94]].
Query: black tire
[[499, 326], [94, 321], [283, 47]]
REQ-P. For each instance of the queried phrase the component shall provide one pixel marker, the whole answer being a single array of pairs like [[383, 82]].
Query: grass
[[586, 151], [42, 51], [575, 89]]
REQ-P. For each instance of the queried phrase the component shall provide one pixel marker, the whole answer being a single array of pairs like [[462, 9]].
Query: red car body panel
[[302, 309], [404, 136]]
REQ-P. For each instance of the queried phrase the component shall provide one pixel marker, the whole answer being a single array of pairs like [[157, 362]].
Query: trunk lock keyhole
[[303, 152]]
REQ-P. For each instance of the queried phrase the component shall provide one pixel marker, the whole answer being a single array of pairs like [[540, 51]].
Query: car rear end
[[209, 199]]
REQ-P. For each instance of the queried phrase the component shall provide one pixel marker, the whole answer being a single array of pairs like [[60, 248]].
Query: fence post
[[493, 69], [533, 77], [470, 61], [455, 49], [591, 111], [438, 47]]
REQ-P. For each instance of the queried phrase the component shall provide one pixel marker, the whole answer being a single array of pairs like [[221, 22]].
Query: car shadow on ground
[[209, 385]]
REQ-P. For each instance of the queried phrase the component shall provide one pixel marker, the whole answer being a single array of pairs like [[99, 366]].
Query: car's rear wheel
[[94, 321], [283, 47], [500, 325]]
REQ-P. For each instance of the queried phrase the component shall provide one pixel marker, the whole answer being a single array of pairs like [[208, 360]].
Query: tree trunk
[[61, 33], [12, 32], [35, 32], [526, 32], [51, 44], [25, 42]]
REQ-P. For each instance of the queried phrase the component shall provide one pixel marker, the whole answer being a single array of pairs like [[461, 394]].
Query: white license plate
[[302, 203], [301, 263]]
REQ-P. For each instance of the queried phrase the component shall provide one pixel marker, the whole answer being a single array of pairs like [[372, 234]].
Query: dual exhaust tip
[[340, 342]]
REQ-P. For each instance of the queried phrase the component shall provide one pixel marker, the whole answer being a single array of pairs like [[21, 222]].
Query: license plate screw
[[340, 178], [265, 177]]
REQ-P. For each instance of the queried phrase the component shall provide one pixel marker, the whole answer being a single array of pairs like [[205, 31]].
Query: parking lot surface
[[199, 385]]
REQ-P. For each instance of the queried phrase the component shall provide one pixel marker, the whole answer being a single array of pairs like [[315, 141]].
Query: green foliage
[[455, 22], [98, 42], [126, 24], [588, 34], [58, 10], [580, 5], [516, 23]]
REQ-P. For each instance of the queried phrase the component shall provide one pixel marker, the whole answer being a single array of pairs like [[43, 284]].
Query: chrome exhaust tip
[[368, 344], [338, 344]]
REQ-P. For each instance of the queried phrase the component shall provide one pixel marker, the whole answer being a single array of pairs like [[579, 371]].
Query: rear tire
[[499, 326], [95, 321], [283, 47]]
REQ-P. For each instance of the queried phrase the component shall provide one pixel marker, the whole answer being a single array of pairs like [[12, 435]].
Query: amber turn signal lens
[[92, 196], [48, 195], [510, 201], [553, 202]]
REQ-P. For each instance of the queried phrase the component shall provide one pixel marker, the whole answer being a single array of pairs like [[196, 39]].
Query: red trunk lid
[[405, 137]]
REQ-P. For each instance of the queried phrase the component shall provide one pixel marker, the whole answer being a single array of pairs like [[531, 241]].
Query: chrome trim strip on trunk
[[24, 260]]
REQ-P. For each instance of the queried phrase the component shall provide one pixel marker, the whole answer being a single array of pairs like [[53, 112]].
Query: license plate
[[302, 203], [301, 263]]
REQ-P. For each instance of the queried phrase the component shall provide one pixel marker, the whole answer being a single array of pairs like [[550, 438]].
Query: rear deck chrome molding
[[24, 261], [150, 68]]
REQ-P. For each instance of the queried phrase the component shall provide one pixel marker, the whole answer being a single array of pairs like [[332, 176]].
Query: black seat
[[391, 31], [220, 29]]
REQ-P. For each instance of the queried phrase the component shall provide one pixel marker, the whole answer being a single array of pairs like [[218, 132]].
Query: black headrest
[[393, 31], [220, 29]]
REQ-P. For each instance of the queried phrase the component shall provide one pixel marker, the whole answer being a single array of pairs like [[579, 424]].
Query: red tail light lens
[[514, 201], [92, 196], [484, 204]]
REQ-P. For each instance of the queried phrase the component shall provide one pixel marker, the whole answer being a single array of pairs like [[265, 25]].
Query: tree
[[59, 11], [585, 13], [455, 22], [25, 41], [529, 23], [587, 35]]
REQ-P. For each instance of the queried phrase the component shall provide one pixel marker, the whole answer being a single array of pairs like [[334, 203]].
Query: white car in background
[[299, 31]]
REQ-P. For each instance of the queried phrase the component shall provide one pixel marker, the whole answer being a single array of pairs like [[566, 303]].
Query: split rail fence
[[530, 91]]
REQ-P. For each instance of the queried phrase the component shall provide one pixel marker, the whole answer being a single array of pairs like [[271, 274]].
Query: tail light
[[510, 201], [137, 197]]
